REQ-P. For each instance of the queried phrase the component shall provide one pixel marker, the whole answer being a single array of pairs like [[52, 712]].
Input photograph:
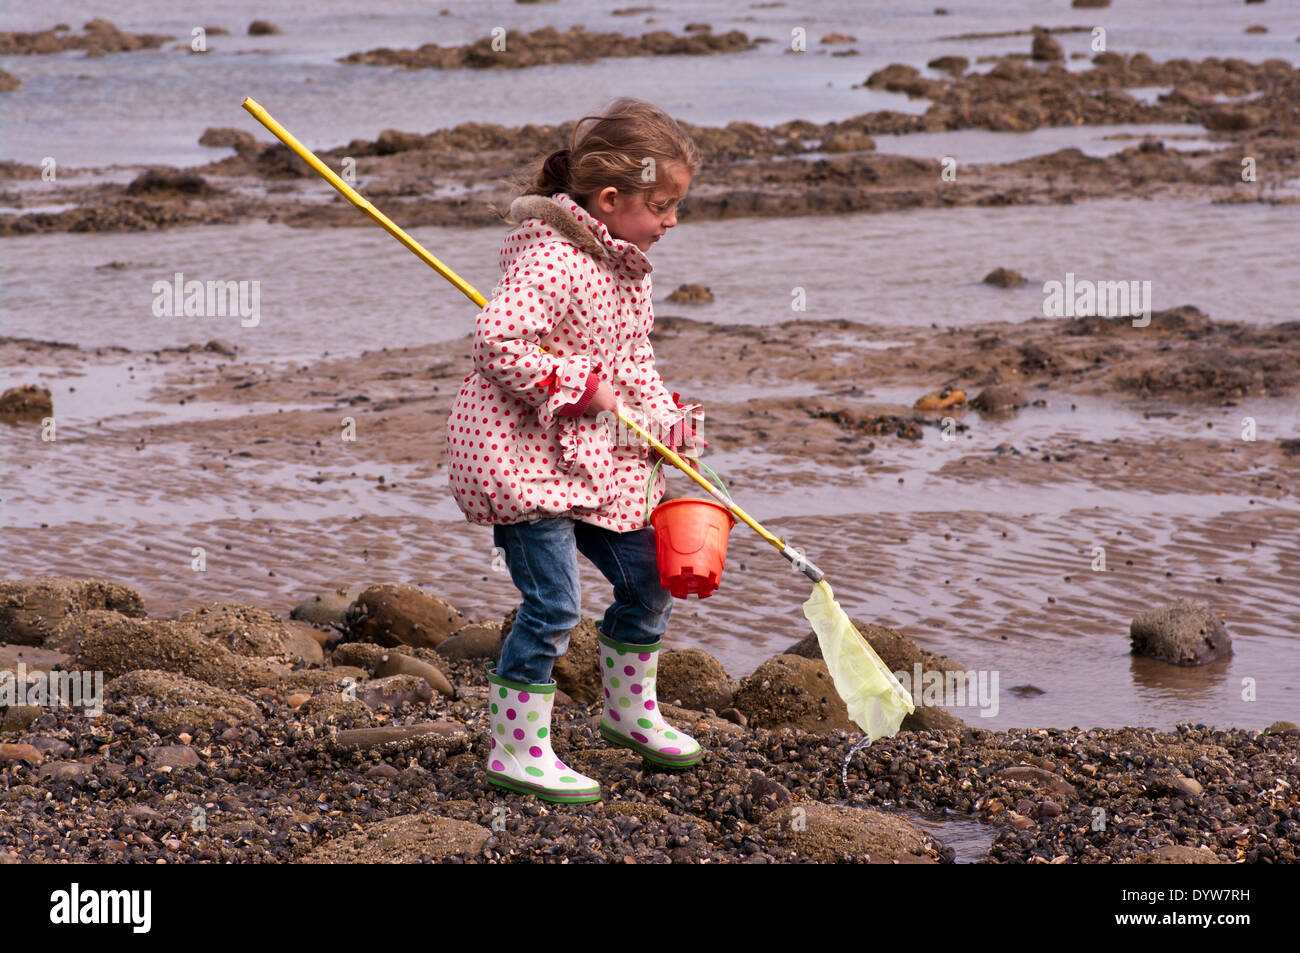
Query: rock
[[1095, 3], [173, 756], [1176, 854], [303, 643], [846, 142], [1173, 785], [30, 609], [9, 83], [167, 702], [479, 640], [394, 614], [392, 141], [831, 833], [900, 655], [956, 65], [734, 715], [20, 717], [941, 399], [1045, 47], [1181, 633], [168, 184], [117, 645], [397, 663], [20, 752], [412, 838], [1234, 118], [50, 747], [75, 772], [695, 677], [327, 609], [224, 348], [1004, 278], [402, 737], [835, 39], [895, 77], [693, 294], [897, 651], [334, 709], [298, 699], [1039, 776], [577, 673], [26, 402], [1049, 809], [691, 720], [262, 28], [362, 655], [244, 630], [761, 786], [791, 691], [1282, 728], [999, 398], [226, 138], [395, 691], [312, 679], [929, 718]]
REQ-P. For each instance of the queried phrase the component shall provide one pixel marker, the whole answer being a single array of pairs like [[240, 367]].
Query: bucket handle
[[651, 483]]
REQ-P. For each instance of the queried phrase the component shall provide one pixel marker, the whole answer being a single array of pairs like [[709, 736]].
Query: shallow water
[[982, 145], [152, 106], [343, 291]]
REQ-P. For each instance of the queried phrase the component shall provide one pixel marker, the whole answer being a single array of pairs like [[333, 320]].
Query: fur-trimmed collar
[[541, 206]]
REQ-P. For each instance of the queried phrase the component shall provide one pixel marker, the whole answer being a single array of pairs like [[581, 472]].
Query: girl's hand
[[603, 400]]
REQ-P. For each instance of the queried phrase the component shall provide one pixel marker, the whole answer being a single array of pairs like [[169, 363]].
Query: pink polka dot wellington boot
[[630, 716], [520, 756]]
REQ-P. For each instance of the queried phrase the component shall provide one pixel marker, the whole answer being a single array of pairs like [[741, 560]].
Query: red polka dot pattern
[[511, 457]]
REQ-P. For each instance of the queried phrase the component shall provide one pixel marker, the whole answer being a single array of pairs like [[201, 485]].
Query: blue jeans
[[542, 556]]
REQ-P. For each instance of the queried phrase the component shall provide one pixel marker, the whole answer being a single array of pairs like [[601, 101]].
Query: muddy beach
[[455, 176], [993, 487]]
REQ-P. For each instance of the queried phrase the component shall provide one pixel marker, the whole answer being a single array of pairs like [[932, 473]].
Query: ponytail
[[555, 172]]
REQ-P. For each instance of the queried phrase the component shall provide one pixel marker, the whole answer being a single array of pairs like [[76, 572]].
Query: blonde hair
[[611, 150]]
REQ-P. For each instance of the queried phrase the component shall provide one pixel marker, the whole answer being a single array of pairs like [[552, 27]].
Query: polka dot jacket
[[520, 445]]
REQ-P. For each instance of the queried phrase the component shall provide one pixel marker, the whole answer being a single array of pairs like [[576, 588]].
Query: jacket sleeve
[[531, 298]]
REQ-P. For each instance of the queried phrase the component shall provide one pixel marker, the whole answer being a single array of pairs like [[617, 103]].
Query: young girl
[[563, 344]]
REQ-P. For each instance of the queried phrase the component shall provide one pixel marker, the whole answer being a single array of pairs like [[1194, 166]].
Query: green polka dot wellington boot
[[631, 715], [520, 756]]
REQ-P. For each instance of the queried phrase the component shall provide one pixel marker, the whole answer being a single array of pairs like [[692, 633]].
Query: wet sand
[[1131, 439]]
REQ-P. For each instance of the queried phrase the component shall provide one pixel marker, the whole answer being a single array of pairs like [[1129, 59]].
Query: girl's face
[[643, 218]]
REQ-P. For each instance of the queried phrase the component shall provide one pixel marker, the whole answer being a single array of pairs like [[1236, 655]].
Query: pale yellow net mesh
[[876, 701]]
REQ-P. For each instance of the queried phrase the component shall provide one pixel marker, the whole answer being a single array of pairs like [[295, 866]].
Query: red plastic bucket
[[691, 543]]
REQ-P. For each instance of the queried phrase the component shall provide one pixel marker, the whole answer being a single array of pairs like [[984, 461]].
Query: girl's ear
[[607, 199]]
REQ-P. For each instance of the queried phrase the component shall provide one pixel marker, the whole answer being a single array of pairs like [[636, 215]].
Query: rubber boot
[[630, 716], [520, 756]]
